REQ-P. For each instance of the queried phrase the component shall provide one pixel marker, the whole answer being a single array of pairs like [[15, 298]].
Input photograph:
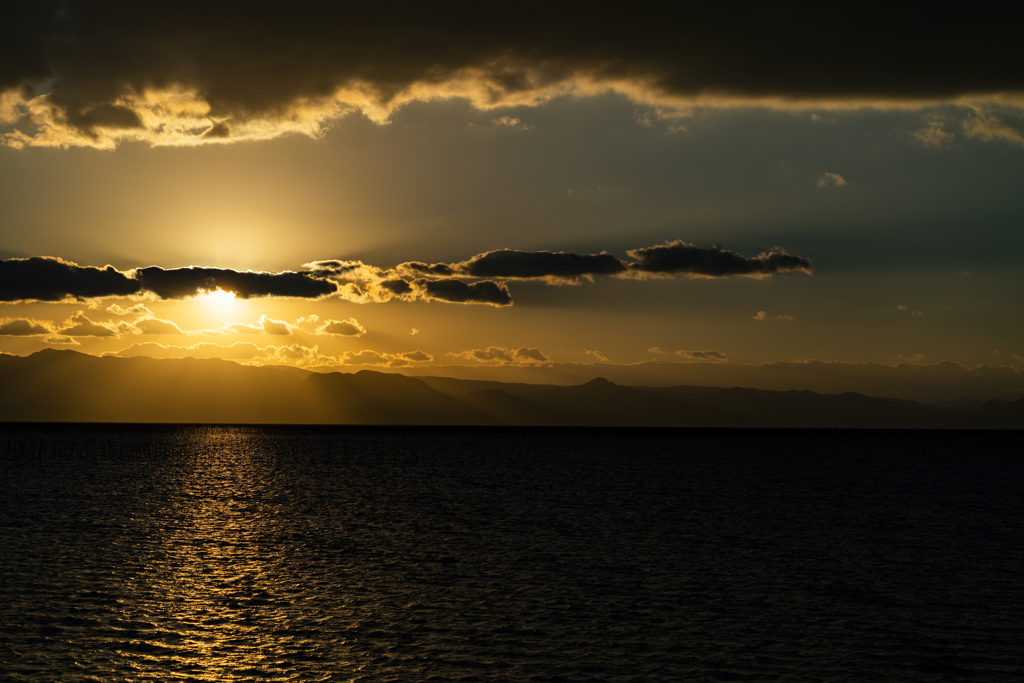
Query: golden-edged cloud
[[349, 327], [297, 355], [675, 258], [51, 279], [989, 128], [504, 356], [46, 278], [79, 73], [707, 355], [833, 179], [24, 327]]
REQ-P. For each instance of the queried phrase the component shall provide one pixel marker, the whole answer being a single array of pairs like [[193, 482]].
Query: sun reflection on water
[[226, 592]]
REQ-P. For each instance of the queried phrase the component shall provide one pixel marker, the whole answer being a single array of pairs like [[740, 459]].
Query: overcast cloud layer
[[93, 73]]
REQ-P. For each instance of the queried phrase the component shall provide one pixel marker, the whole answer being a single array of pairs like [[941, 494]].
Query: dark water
[[373, 554]]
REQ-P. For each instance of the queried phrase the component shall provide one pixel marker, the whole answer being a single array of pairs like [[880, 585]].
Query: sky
[[827, 199]]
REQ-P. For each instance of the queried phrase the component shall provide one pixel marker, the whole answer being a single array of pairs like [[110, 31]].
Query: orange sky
[[670, 189]]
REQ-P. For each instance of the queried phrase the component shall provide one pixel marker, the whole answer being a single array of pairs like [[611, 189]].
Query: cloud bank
[[94, 73], [292, 354], [44, 278]]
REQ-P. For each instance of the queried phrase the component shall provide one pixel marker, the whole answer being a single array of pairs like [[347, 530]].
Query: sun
[[218, 299]]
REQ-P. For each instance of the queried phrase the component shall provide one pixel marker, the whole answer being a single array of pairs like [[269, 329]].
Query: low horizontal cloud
[[346, 328], [503, 355], [311, 324], [707, 355], [366, 357], [511, 264], [152, 325], [79, 325], [137, 309], [596, 355], [179, 283], [383, 359], [298, 355], [24, 327], [264, 325], [682, 258], [675, 258], [294, 354], [457, 291], [762, 315], [54, 279]]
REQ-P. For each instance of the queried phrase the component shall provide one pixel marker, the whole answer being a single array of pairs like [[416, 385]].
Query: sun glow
[[218, 299]]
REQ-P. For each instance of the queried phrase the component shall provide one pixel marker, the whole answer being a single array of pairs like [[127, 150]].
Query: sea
[[275, 553]]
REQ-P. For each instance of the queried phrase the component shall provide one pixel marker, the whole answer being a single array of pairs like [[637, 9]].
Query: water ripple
[[278, 554]]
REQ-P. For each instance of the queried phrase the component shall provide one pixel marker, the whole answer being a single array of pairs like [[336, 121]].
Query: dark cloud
[[525, 354], [246, 61], [671, 258], [704, 355], [49, 279], [183, 282], [24, 50], [457, 291], [491, 353], [697, 355], [396, 287], [418, 356], [680, 258], [507, 263], [104, 116]]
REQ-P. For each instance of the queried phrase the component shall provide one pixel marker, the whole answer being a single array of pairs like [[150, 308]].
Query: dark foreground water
[[376, 554]]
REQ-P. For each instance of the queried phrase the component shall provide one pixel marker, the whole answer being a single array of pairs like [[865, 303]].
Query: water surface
[[300, 554]]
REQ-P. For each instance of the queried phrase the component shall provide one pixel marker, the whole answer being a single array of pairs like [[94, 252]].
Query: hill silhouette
[[67, 386]]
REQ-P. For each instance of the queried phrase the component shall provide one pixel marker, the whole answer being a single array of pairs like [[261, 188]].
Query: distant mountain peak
[[51, 352], [599, 382]]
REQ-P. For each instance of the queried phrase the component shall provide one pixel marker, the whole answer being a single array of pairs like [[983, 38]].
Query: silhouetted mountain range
[[68, 386]]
